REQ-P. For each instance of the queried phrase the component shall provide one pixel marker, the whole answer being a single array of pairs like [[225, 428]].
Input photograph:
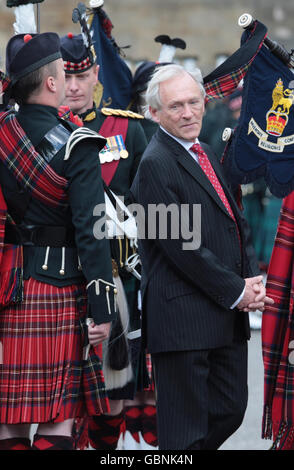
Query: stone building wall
[[209, 27]]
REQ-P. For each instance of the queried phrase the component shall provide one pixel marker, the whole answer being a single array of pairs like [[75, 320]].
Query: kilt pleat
[[42, 370]]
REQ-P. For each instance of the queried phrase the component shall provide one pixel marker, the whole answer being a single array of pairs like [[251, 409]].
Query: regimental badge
[[113, 150], [277, 118]]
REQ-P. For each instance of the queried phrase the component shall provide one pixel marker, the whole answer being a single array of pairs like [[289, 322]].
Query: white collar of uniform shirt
[[185, 143]]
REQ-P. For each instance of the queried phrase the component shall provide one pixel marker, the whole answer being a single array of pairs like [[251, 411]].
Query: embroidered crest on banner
[[277, 118]]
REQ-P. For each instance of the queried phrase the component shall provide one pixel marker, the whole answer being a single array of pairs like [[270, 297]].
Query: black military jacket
[[86, 259]]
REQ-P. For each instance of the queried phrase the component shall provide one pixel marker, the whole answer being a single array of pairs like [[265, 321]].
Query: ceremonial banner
[[225, 79], [262, 144], [115, 77]]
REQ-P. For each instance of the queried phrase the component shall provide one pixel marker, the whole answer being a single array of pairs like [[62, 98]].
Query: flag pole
[[38, 18]]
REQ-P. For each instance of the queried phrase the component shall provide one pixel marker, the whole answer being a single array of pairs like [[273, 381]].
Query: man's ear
[[51, 84], [154, 114]]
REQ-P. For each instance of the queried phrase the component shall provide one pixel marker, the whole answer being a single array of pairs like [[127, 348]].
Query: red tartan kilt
[[42, 338]]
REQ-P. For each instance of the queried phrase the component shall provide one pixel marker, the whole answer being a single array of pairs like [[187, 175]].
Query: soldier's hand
[[98, 333]]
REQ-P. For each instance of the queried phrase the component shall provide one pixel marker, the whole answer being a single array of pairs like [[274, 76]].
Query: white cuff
[[238, 300]]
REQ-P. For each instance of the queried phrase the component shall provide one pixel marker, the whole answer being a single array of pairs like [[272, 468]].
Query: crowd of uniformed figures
[[72, 358]]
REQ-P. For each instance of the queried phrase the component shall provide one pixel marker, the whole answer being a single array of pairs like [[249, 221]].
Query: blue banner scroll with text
[[262, 144]]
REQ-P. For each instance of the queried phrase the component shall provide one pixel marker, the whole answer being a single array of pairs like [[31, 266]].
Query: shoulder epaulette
[[121, 113]]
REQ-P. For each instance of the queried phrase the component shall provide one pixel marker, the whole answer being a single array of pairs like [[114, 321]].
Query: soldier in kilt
[[119, 159], [54, 273]]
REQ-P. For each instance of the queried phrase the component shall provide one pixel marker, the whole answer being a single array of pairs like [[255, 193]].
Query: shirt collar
[[185, 143]]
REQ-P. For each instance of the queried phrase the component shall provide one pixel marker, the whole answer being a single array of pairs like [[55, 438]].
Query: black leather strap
[[53, 141], [39, 235]]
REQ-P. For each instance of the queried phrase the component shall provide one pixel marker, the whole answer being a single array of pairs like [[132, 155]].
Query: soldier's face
[[79, 89], [182, 107], [60, 81]]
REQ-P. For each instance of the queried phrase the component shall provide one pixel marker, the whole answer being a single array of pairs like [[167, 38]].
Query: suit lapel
[[191, 166], [232, 201]]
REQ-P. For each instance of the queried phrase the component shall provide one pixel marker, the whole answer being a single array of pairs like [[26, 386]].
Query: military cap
[[146, 69], [26, 53], [143, 75], [76, 56]]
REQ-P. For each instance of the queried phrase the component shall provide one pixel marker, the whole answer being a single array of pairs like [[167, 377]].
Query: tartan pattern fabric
[[4, 82], [35, 175], [3, 215], [278, 336], [80, 67], [11, 261], [28, 167], [93, 385], [226, 84], [224, 80], [41, 377]]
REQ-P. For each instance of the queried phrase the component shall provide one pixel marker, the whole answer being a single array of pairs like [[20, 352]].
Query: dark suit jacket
[[186, 295]]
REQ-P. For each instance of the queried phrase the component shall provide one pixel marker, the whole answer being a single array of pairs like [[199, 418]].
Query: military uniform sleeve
[[86, 195]]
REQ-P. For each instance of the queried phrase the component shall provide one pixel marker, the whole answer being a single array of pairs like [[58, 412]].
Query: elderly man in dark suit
[[196, 296]]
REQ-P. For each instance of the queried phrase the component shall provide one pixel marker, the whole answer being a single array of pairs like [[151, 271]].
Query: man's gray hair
[[163, 73]]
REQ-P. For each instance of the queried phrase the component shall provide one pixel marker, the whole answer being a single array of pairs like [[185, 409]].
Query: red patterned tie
[[210, 173]]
